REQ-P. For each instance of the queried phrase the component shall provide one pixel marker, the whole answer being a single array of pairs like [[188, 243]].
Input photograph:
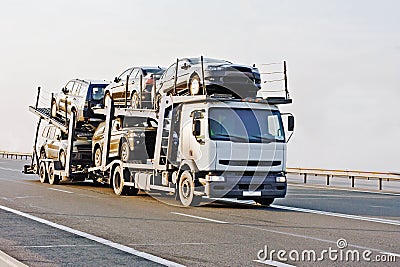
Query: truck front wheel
[[186, 190]]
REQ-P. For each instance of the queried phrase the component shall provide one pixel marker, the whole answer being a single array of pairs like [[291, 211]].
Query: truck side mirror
[[290, 123]]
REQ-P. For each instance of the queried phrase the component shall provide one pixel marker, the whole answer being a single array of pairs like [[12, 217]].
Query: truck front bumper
[[232, 185]]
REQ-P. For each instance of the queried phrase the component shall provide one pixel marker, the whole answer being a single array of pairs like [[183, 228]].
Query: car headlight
[[214, 68], [281, 178]]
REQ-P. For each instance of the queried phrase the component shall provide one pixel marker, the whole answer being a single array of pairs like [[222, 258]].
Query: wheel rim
[[97, 158], [62, 159], [42, 173], [51, 175], [54, 110], [194, 87], [117, 181], [185, 189]]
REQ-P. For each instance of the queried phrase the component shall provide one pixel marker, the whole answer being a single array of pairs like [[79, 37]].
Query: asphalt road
[[87, 225]]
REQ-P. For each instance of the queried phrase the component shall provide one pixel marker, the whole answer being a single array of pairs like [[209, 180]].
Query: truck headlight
[[280, 179]]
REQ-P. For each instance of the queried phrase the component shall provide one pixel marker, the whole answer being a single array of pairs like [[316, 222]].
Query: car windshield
[[98, 92], [246, 125], [134, 122], [207, 60], [158, 71]]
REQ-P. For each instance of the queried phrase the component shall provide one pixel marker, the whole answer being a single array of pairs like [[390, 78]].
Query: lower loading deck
[[233, 184]]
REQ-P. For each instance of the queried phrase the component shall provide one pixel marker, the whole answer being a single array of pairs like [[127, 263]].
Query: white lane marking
[[53, 246], [197, 217], [275, 263], [14, 181], [97, 239], [344, 189], [10, 261], [182, 244], [27, 197], [59, 190], [341, 215], [9, 169]]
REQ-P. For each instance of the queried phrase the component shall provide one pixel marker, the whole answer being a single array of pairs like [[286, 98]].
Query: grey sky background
[[343, 59]]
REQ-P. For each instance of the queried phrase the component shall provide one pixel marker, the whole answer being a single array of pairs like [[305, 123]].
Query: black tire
[[53, 109], [186, 190], [195, 87], [97, 157], [135, 100], [43, 177], [118, 181], [62, 157], [264, 201], [157, 102], [124, 151], [53, 179]]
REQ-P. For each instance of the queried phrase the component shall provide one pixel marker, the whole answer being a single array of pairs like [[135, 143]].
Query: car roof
[[92, 81]]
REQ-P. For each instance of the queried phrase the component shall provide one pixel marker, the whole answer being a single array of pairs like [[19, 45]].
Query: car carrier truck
[[206, 146]]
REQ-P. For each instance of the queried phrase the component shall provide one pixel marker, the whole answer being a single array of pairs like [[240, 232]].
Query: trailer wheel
[[53, 109], [53, 179], [124, 151], [43, 173], [97, 157], [264, 201], [194, 85], [135, 100], [63, 159], [186, 190], [118, 181]]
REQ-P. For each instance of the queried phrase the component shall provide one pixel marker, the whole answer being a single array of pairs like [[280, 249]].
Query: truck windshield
[[246, 125]]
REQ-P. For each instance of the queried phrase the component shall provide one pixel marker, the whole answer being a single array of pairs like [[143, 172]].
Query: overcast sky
[[343, 59]]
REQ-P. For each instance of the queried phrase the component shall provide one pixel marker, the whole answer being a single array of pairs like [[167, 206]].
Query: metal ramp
[[45, 113]]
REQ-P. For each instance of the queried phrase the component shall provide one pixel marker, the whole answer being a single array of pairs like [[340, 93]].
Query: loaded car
[[132, 138], [140, 83], [220, 76], [53, 144], [80, 96]]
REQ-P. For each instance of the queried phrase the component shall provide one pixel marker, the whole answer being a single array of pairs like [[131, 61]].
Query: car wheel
[[124, 151], [62, 158], [107, 97], [194, 85], [43, 173], [135, 100], [264, 201], [53, 109], [97, 157], [157, 102], [42, 154]]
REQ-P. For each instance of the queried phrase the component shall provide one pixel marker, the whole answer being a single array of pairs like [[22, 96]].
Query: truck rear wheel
[[186, 190], [53, 179], [264, 201], [43, 173], [118, 180]]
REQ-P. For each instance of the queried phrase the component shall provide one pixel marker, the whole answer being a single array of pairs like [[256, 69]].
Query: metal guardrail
[[7, 154], [353, 175]]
